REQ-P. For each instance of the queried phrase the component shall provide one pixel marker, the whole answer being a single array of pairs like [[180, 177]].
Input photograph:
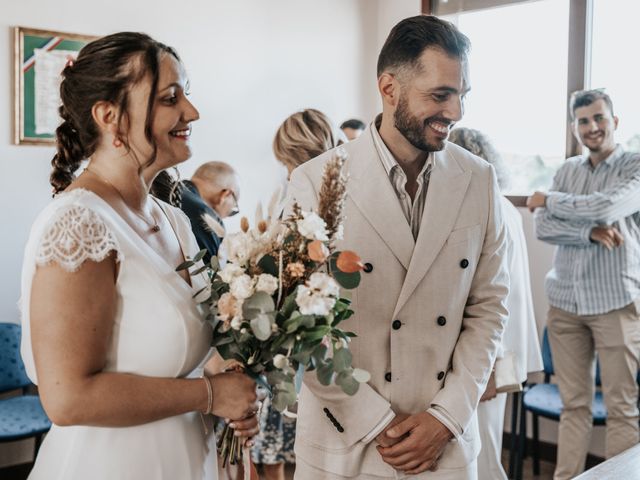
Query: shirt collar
[[613, 156], [386, 157]]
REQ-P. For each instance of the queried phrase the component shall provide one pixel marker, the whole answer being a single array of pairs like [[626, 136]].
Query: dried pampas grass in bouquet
[[332, 194]]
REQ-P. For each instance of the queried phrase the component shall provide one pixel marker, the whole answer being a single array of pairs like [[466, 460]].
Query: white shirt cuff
[[386, 420], [447, 420]]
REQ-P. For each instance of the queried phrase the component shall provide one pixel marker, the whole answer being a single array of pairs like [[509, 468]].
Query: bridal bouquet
[[276, 305]]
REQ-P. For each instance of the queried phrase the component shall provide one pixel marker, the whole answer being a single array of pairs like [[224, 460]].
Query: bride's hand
[[246, 428], [234, 396]]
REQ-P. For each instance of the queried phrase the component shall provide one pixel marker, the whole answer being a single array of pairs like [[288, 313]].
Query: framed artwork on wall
[[39, 57]]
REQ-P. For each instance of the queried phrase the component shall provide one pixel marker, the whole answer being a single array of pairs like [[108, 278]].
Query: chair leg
[[536, 445], [522, 440], [515, 411]]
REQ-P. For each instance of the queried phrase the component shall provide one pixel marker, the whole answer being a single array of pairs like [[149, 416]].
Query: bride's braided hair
[[105, 70]]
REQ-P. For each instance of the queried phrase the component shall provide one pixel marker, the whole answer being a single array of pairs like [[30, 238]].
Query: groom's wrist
[[380, 426], [443, 417]]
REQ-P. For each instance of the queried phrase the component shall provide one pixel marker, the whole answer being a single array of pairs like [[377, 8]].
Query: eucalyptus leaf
[[214, 263], [316, 333], [279, 400], [200, 255], [299, 321], [320, 353], [185, 265], [275, 376], [341, 360], [347, 280], [302, 357], [256, 304], [289, 306], [199, 270], [361, 376], [347, 383], [324, 373], [200, 291]]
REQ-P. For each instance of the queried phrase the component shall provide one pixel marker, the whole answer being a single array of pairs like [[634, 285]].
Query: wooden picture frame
[[35, 102]]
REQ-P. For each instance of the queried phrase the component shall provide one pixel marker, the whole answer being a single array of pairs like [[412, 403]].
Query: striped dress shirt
[[397, 177], [588, 279]]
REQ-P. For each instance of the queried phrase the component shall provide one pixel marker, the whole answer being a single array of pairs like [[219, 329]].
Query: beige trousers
[[615, 336], [304, 471]]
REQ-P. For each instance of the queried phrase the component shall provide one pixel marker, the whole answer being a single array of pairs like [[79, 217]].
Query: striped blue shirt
[[588, 279]]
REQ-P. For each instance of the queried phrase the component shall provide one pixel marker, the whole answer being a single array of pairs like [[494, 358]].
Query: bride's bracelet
[[207, 382]]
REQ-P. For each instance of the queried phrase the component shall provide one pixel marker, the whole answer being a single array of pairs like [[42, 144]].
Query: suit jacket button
[[442, 321], [368, 268], [387, 376], [464, 263], [340, 429], [396, 324], [440, 375]]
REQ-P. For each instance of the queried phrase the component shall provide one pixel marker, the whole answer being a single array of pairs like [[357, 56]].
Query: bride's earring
[[117, 142]]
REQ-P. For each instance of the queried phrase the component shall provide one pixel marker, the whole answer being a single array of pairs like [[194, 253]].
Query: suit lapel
[[371, 191], [447, 187]]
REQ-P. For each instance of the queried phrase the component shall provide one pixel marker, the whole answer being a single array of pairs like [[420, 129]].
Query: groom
[[424, 215]]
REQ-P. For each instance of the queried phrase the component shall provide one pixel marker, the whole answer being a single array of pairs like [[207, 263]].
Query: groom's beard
[[415, 130]]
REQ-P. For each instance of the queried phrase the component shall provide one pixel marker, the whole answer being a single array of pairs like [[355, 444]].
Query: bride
[[111, 332]]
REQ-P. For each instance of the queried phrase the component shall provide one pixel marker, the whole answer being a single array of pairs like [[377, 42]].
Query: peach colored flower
[[349, 262], [318, 251], [295, 269], [228, 307]]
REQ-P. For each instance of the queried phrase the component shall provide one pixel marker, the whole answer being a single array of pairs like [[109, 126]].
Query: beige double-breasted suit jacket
[[429, 315]]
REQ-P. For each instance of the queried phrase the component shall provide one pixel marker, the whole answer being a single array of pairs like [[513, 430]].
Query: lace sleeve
[[74, 235]]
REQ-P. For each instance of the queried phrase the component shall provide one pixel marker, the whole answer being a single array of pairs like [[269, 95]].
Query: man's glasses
[[236, 209]]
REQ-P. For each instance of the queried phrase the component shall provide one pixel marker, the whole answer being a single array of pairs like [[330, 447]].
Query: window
[[518, 65], [614, 66]]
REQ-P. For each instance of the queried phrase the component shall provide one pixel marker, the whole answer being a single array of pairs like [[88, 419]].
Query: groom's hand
[[423, 438], [385, 440]]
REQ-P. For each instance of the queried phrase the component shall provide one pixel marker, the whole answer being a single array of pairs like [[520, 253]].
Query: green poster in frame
[[39, 57]]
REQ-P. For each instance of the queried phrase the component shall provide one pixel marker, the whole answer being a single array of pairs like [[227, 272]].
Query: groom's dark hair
[[411, 36]]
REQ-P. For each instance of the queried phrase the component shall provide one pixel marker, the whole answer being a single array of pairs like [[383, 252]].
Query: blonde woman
[[301, 137]]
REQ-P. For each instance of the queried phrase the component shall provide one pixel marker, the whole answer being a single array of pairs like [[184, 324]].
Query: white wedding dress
[[158, 332]]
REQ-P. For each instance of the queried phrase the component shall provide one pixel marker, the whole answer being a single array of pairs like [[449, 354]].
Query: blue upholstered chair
[[543, 400], [21, 416]]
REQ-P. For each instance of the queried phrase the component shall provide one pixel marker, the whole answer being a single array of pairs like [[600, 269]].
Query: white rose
[[237, 247], [323, 284], [230, 271], [311, 303], [280, 361], [312, 227], [236, 323], [267, 283], [339, 235], [242, 287]]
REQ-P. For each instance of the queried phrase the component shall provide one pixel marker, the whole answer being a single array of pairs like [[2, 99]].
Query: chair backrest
[[12, 373]]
